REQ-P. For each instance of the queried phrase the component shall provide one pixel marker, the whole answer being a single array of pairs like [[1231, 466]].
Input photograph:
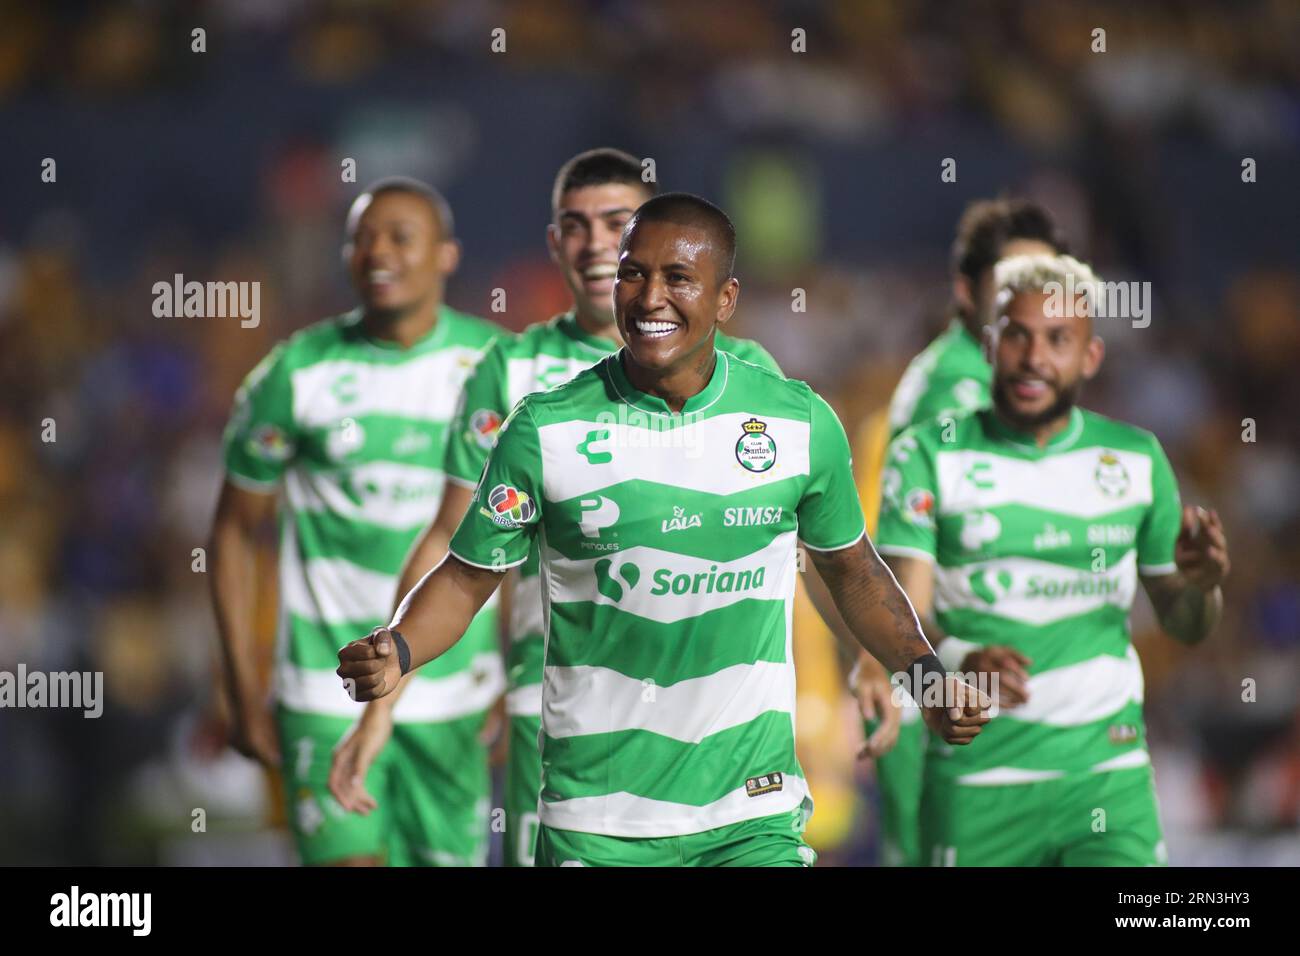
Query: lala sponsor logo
[[680, 521]]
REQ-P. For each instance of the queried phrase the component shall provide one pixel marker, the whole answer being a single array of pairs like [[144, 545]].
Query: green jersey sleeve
[[261, 438], [497, 530], [478, 419], [1164, 518], [830, 514], [907, 500]]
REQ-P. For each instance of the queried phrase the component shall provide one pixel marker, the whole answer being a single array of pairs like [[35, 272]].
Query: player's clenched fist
[[963, 712], [371, 667]]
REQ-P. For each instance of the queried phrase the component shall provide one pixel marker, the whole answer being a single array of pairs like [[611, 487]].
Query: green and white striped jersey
[[949, 375], [668, 562], [354, 430], [542, 356], [1038, 549]]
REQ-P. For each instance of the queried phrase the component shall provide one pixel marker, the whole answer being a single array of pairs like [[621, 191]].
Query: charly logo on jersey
[[509, 507], [680, 521], [980, 474], [344, 388], [755, 449], [750, 517], [979, 528], [593, 515], [483, 427], [1111, 475], [595, 456], [346, 438], [668, 581]]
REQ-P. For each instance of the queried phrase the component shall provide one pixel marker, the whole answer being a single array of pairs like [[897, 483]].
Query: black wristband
[[917, 677], [403, 651]]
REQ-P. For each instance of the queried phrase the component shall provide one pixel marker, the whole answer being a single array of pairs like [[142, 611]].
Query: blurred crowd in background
[[226, 165]]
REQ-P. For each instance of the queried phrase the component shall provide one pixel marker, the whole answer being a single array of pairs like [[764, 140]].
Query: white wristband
[[953, 650]]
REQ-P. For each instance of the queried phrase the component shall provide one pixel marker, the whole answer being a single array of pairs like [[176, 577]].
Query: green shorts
[[431, 783], [900, 774], [523, 781], [766, 841], [1099, 819]]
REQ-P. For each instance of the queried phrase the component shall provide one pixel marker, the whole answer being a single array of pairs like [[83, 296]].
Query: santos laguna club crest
[[756, 449], [1112, 476]]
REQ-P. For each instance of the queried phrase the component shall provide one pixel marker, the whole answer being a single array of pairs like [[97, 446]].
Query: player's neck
[[599, 326], [1039, 434], [403, 328], [675, 386]]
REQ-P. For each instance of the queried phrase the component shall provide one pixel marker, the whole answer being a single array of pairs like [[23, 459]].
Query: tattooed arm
[[881, 619]]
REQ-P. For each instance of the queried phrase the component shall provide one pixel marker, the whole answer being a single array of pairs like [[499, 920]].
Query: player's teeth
[[655, 329], [600, 272]]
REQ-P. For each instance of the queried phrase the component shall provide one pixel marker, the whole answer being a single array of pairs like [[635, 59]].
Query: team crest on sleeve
[[483, 427], [509, 507], [756, 449], [918, 507], [269, 443], [1111, 475]]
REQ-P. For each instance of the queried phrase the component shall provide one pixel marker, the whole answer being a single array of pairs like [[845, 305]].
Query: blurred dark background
[[225, 165]]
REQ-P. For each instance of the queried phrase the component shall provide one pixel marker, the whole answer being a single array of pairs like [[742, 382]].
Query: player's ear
[[553, 242], [727, 296], [345, 253], [448, 256], [1092, 356], [963, 294], [989, 341]]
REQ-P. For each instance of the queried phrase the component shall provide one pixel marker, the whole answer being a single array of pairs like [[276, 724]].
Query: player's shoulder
[[536, 337], [1100, 429], [746, 350], [318, 341], [946, 431], [761, 382], [590, 388], [471, 330]]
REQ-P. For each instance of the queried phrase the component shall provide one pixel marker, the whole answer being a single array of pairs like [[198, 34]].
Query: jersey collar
[[655, 405], [1062, 440]]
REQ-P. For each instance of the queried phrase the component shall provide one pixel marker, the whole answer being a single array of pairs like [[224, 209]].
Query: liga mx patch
[[768, 783]]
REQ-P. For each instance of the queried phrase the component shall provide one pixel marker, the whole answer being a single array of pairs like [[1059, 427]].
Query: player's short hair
[[989, 224], [599, 167], [1034, 274], [413, 187], [686, 209]]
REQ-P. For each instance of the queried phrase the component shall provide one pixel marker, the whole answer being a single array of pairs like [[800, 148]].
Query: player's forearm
[[1192, 614], [439, 609], [873, 606], [233, 583]]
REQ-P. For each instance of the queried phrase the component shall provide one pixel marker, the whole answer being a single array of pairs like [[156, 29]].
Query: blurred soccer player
[[950, 375], [594, 196], [348, 420], [1027, 526]]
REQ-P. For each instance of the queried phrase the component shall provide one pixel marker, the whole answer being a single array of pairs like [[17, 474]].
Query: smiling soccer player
[[669, 689]]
